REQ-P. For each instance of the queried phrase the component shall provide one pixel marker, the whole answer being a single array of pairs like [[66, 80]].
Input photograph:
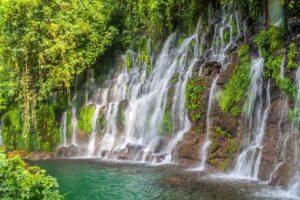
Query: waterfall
[[282, 67], [145, 113], [148, 92], [92, 141], [109, 137], [207, 141], [275, 11], [248, 161], [74, 125], [294, 187], [118, 95], [284, 136], [74, 121], [225, 37], [63, 130]]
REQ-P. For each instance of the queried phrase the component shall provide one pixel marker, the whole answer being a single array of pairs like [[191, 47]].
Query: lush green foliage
[[12, 129], [236, 87], [20, 182], [193, 95], [270, 42], [44, 45], [157, 18], [292, 56], [47, 129], [85, 118]]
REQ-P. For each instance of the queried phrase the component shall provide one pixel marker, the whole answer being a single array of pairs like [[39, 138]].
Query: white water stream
[[256, 112], [207, 141]]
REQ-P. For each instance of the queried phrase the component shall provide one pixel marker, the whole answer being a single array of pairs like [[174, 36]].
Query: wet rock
[[70, 151], [212, 68], [294, 25], [282, 176], [134, 148], [103, 153], [189, 147]]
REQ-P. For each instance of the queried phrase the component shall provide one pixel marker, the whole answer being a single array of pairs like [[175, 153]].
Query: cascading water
[[102, 96], [91, 146], [294, 187], [63, 130], [256, 113], [275, 11], [74, 121], [284, 136], [118, 95], [282, 67], [207, 141], [146, 94], [225, 37]]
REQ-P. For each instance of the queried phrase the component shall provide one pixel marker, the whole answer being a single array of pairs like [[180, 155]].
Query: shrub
[[292, 56], [269, 42], [20, 182]]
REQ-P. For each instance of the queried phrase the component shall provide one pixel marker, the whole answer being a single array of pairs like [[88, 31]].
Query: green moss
[[167, 125], [222, 139], [174, 79], [47, 128], [193, 95], [220, 132], [121, 114], [101, 119], [44, 136], [69, 123], [85, 118], [226, 36], [128, 62], [12, 130], [294, 117], [292, 56], [236, 87], [270, 41]]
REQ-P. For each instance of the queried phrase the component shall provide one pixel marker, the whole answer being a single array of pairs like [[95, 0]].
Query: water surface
[[93, 180]]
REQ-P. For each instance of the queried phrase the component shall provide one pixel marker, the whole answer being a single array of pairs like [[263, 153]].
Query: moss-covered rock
[[101, 120], [193, 97], [236, 87], [292, 56], [47, 128], [270, 43], [85, 118], [223, 149]]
